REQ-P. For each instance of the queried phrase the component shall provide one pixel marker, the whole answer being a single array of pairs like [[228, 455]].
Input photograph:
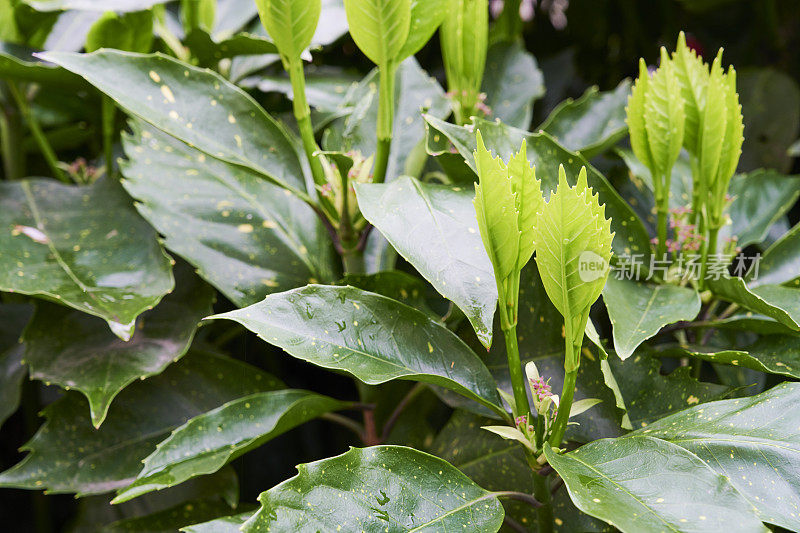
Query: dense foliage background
[[593, 42]]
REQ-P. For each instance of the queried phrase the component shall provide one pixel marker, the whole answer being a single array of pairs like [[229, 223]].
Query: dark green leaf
[[172, 519], [68, 454], [639, 310], [498, 464], [227, 524], [434, 228], [208, 442], [84, 247], [591, 124], [195, 105], [68, 348], [512, 81], [378, 488], [415, 90], [780, 263], [649, 395], [18, 63], [246, 236], [775, 301], [771, 110], [13, 318], [399, 286], [760, 199], [631, 236], [753, 442], [209, 51], [644, 484], [370, 336]]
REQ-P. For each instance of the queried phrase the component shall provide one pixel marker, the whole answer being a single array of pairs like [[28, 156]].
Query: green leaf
[[68, 454], [246, 236], [496, 210], [209, 441], [210, 52], [414, 90], [692, 75], [209, 113], [372, 337], [120, 6], [18, 63], [433, 227], [644, 484], [753, 442], [570, 230], [713, 124], [426, 17], [326, 88], [171, 519], [513, 82], [639, 310], [13, 318], [84, 247], [636, 111], [290, 23], [780, 263], [464, 41], [67, 347], [380, 28], [376, 488], [593, 123], [775, 301], [227, 524], [649, 395], [774, 354], [664, 116], [404, 288], [631, 236], [132, 32], [771, 110], [760, 199], [497, 464]]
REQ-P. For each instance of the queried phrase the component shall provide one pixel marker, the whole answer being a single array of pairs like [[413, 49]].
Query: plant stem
[[36, 130], [395, 416], [544, 514], [661, 213], [353, 261], [385, 120], [302, 113], [346, 422], [713, 233], [519, 496], [572, 354], [515, 370], [11, 131], [109, 112], [509, 24]]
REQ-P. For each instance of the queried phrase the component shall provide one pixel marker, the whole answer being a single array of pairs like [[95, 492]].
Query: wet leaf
[[13, 318], [246, 236], [775, 301], [372, 337], [172, 519], [18, 63], [434, 228], [68, 348], [618, 480], [84, 247], [649, 395], [591, 124], [753, 442], [512, 82], [69, 455], [226, 524], [195, 105], [402, 287], [638, 310], [780, 263], [209, 441], [376, 488], [631, 236]]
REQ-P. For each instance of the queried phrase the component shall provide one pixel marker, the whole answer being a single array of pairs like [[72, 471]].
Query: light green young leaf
[[426, 17], [583, 405], [528, 201], [379, 27], [464, 40], [509, 433], [636, 122], [290, 23], [572, 233], [692, 76], [731, 144], [713, 124], [664, 117], [496, 210], [132, 32]]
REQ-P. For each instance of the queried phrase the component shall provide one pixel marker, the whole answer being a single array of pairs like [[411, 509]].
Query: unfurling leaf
[[464, 39], [692, 75], [573, 239]]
